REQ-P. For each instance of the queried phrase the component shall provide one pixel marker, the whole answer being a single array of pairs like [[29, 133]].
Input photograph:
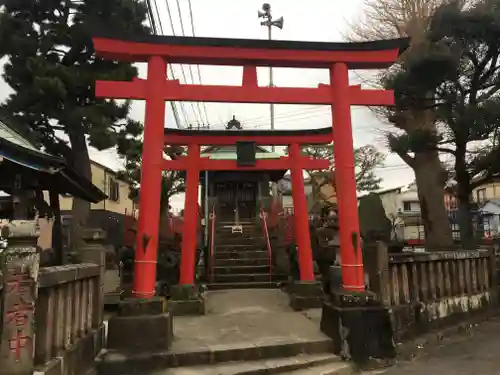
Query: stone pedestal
[[305, 295], [359, 326], [141, 326], [186, 300]]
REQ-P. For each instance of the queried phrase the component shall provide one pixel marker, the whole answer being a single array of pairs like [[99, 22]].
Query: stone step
[[235, 278], [242, 222], [245, 254], [263, 366], [235, 262], [235, 270], [239, 247], [238, 240], [245, 229], [243, 240], [335, 368], [245, 285], [113, 362]]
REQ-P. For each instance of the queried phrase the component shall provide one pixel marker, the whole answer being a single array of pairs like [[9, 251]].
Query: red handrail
[[268, 242], [212, 248]]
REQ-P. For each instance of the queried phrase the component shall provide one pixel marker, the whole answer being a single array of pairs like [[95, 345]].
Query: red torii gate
[[295, 162], [157, 88]]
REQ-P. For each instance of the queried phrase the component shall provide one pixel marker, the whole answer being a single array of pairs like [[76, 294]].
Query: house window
[[114, 190], [406, 206], [481, 195]]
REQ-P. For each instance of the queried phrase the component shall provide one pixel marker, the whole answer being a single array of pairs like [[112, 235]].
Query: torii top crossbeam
[[181, 137], [249, 54], [240, 52]]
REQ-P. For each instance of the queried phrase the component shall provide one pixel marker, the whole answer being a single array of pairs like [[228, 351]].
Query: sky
[[313, 20]]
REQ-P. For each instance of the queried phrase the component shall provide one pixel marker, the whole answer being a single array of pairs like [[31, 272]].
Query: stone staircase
[[244, 332], [241, 260]]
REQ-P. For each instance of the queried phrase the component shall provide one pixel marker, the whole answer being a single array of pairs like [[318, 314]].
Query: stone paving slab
[[239, 318], [474, 353]]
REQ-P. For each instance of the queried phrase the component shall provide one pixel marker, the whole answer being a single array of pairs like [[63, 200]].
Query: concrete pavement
[[474, 353]]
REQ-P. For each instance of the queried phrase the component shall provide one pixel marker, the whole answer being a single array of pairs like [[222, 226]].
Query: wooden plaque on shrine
[[245, 153]]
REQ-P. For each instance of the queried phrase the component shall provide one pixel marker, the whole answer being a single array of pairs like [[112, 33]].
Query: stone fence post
[[376, 260], [20, 265], [94, 251]]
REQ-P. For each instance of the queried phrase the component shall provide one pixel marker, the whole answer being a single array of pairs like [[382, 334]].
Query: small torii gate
[[157, 51]]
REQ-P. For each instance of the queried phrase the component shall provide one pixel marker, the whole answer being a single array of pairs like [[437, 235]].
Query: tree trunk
[[463, 194], [429, 179], [81, 208], [57, 235]]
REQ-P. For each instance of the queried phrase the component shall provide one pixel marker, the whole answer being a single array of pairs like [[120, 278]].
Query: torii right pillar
[[353, 278], [352, 308]]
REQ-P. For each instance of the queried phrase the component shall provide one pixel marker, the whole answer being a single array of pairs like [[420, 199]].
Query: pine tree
[[52, 68]]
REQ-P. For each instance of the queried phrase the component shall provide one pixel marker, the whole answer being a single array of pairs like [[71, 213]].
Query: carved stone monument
[[20, 264]]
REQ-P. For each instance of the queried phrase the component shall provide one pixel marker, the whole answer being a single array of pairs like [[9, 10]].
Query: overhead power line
[[152, 8], [169, 11], [197, 66]]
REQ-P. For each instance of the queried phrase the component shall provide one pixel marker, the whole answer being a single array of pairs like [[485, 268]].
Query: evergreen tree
[[52, 68], [385, 19], [456, 78], [130, 145]]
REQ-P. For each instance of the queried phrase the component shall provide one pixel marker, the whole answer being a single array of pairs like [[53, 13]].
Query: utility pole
[[265, 13]]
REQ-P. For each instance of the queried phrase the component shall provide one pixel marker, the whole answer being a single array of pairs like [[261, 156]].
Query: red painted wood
[[174, 91], [263, 140], [146, 253], [345, 183], [124, 50], [283, 163], [250, 76]]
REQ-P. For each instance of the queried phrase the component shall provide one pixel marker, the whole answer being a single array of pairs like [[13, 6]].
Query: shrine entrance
[[337, 58], [237, 201]]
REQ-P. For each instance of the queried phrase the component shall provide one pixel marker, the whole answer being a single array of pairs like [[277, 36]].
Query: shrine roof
[[50, 171], [358, 55]]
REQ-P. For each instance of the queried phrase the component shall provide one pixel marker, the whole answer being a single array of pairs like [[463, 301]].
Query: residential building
[[118, 201], [110, 213], [487, 198], [486, 192]]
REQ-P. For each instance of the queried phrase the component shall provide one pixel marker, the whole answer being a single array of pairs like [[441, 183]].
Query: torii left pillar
[[185, 297], [146, 253], [147, 314]]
